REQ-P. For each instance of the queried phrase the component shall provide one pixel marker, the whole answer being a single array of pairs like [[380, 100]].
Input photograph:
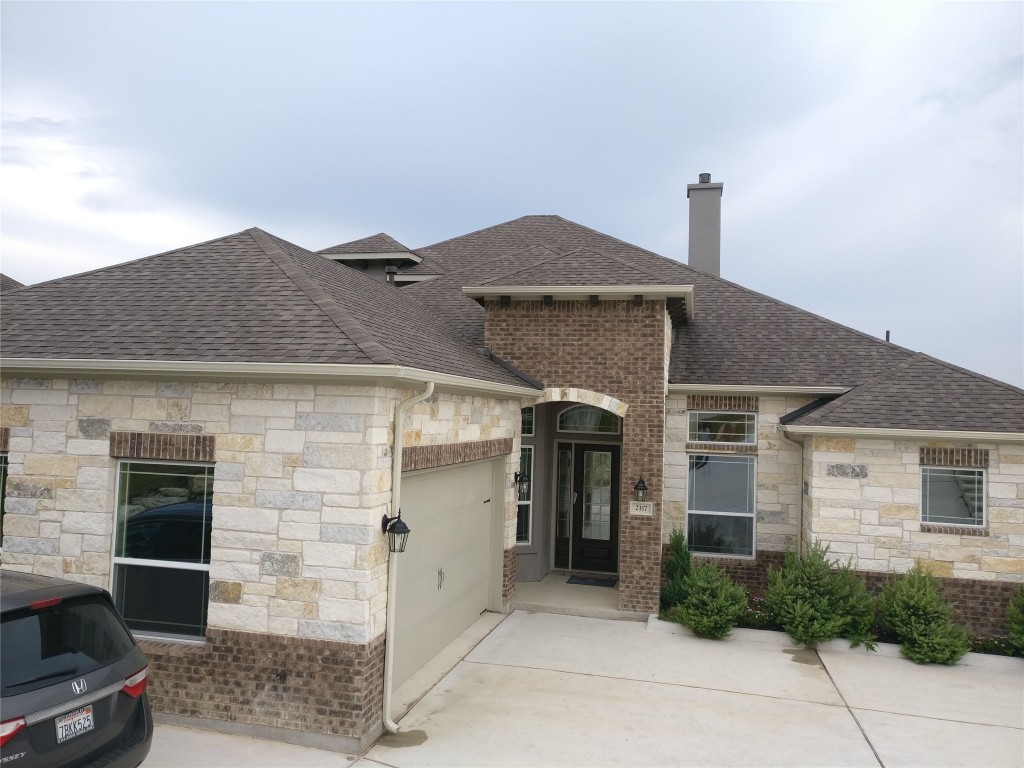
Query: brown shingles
[[379, 243]]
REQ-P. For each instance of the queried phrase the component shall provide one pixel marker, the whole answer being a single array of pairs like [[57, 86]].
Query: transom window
[[162, 546], [525, 499], [720, 504], [527, 421], [953, 496], [707, 427], [588, 419]]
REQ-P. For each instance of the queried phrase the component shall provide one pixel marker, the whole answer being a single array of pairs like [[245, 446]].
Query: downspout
[[396, 508], [800, 488]]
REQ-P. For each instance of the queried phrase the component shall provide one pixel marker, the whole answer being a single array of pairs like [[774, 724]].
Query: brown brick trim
[[5, 439], [954, 457], [721, 448], [721, 403], [430, 456], [148, 445], [956, 530]]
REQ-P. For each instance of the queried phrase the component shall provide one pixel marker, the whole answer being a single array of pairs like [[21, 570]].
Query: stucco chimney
[[705, 225]]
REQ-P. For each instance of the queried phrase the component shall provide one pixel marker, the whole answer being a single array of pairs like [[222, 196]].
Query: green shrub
[[712, 603], [912, 607], [814, 603], [677, 568], [1015, 622]]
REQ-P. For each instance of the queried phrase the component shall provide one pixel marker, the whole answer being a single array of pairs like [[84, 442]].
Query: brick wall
[[615, 348], [316, 686]]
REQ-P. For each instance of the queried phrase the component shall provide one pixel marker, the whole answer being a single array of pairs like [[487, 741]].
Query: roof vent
[[705, 178], [390, 272]]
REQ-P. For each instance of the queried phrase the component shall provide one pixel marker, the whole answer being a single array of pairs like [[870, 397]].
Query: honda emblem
[[79, 686]]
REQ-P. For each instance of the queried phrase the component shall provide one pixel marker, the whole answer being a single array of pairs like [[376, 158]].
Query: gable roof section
[[379, 243], [735, 337], [248, 297], [922, 393], [8, 283], [580, 267]]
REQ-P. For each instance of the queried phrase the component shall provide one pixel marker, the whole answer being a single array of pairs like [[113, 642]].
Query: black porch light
[[397, 531], [640, 489], [521, 482]]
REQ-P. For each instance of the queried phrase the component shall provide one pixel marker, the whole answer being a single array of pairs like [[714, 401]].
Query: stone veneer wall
[[865, 502], [570, 344], [778, 467], [302, 477]]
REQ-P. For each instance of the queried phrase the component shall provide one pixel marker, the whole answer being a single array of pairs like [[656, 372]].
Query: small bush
[[677, 568], [757, 614], [912, 607], [814, 603], [1015, 622], [713, 602]]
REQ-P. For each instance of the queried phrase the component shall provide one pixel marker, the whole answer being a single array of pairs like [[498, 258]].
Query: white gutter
[[396, 509], [925, 434], [754, 389], [580, 291], [251, 370]]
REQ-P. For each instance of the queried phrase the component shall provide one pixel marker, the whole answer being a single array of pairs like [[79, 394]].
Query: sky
[[872, 154]]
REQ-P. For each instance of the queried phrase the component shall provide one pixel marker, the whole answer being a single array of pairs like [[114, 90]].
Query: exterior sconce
[[521, 482], [640, 489], [397, 531]]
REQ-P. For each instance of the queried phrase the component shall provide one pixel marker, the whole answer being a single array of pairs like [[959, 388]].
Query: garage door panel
[[450, 514]]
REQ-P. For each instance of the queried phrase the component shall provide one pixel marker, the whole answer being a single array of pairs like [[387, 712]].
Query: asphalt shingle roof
[[379, 243], [8, 283], [248, 297]]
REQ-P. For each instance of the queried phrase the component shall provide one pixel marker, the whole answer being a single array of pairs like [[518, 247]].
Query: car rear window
[[59, 642]]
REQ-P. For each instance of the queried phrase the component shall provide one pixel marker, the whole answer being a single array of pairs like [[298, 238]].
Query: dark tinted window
[[67, 640]]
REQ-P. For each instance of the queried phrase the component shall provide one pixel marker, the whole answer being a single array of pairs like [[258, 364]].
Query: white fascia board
[[404, 255], [923, 434], [581, 291], [312, 372], [400, 278], [754, 389]]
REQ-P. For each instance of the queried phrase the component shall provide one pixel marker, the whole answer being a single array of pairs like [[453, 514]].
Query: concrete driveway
[[552, 690]]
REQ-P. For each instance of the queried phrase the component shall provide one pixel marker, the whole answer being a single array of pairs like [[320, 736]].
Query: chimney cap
[[704, 178]]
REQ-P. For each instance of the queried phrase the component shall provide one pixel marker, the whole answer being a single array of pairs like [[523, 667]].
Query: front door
[[589, 496]]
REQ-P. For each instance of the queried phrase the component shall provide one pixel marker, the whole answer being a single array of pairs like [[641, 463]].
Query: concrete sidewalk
[[555, 690]]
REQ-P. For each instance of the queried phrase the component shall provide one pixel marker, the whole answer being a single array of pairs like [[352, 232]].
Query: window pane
[[722, 427], [597, 495], [953, 496], [164, 512], [162, 600], [588, 419], [525, 506], [3, 492], [721, 484], [721, 534], [527, 421], [564, 503]]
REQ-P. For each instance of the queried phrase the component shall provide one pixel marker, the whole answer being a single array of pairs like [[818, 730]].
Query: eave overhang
[[682, 294], [915, 434], [214, 370], [755, 389]]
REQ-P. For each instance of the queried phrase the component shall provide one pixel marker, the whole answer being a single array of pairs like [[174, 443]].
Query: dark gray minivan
[[72, 679]]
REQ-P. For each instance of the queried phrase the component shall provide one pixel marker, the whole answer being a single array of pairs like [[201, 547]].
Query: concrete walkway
[[555, 690]]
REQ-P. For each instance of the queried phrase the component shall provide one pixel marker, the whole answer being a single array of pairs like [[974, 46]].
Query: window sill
[[955, 530]]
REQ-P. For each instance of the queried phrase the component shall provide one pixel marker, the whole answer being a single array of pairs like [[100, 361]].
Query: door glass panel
[[597, 495], [564, 507]]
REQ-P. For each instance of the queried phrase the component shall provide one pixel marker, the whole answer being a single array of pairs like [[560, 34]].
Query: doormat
[[593, 582]]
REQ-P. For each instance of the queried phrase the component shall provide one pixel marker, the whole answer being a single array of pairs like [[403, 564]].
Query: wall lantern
[[397, 531], [640, 489], [521, 481]]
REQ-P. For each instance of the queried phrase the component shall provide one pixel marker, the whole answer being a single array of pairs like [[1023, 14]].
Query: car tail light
[[38, 605], [9, 728], [136, 684]]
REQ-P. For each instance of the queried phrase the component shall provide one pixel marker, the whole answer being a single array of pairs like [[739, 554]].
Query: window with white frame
[[953, 496], [720, 495], [162, 546], [526, 427], [524, 515], [706, 427]]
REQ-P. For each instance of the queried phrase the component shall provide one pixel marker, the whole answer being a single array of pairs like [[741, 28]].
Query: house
[[280, 408]]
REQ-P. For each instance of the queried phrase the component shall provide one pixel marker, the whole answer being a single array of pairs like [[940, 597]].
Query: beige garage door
[[444, 574]]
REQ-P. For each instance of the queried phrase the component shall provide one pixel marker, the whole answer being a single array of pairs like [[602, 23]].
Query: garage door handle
[[440, 577]]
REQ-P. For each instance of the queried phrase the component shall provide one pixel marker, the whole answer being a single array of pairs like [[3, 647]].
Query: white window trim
[[170, 564], [527, 503], [983, 525], [698, 414], [533, 421], [752, 515]]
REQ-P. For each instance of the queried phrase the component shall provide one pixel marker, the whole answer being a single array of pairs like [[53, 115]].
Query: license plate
[[74, 724]]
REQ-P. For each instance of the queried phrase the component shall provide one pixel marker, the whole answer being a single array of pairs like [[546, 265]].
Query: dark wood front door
[[595, 507]]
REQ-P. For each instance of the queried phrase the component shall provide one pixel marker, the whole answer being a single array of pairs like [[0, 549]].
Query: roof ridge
[[337, 314], [482, 229], [960, 369], [555, 255]]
